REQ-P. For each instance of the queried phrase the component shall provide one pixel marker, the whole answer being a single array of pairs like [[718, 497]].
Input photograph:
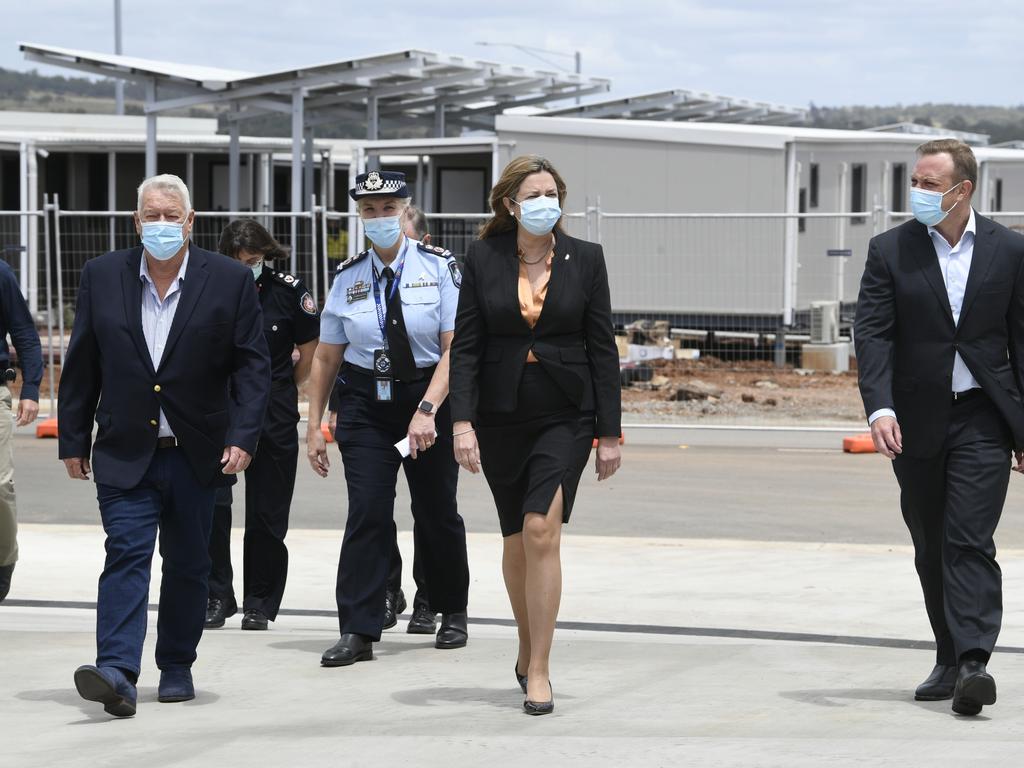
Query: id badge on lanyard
[[383, 378]]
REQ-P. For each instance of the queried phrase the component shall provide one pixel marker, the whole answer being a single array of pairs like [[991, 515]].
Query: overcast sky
[[794, 52]]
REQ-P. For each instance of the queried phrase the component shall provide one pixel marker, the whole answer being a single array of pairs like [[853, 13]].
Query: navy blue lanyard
[[382, 318]]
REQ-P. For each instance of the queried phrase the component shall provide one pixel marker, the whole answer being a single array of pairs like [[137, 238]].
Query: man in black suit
[[168, 356], [940, 349]]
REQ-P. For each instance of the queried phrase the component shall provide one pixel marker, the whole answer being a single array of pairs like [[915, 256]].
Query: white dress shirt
[[955, 266], [157, 316]]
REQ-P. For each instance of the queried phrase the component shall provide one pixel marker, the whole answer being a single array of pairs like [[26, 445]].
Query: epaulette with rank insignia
[[352, 260], [435, 250], [285, 279]]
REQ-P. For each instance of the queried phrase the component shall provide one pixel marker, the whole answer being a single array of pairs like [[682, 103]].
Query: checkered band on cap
[[382, 183]]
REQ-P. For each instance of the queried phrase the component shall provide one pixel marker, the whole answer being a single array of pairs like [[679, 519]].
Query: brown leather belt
[[167, 442]]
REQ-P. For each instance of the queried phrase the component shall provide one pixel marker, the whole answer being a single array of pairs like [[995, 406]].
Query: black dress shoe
[[975, 688], [540, 707], [348, 650], [423, 621], [453, 632], [217, 611], [254, 620], [939, 685], [6, 571], [394, 604]]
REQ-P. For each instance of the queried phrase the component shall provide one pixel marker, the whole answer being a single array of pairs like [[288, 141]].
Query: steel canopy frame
[[687, 105], [428, 88]]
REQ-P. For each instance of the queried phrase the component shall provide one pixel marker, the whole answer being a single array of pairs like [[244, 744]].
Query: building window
[[898, 200], [858, 191], [814, 185], [801, 223], [998, 206]]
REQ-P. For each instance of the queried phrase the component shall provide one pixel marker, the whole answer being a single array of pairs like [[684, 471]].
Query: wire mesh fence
[[691, 285]]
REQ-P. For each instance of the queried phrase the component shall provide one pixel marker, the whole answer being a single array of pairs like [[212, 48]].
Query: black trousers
[[952, 503], [366, 433], [269, 485], [395, 574]]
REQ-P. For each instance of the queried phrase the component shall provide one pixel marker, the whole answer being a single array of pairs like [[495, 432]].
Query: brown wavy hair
[[508, 185], [249, 235]]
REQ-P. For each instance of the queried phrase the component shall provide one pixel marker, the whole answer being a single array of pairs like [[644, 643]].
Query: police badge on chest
[[383, 381]]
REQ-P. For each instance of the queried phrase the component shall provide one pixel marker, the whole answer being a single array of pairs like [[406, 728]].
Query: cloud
[[788, 51]]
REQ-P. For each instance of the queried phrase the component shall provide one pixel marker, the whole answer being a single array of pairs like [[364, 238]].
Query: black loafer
[[256, 620], [348, 650], [975, 688], [218, 611], [453, 632], [939, 685], [394, 604], [423, 621], [6, 571]]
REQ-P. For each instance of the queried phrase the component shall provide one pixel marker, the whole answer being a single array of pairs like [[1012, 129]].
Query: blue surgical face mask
[[383, 231], [538, 215], [162, 239], [927, 206], [257, 270]]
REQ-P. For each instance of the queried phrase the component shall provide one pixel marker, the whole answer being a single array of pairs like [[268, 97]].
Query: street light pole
[[118, 84]]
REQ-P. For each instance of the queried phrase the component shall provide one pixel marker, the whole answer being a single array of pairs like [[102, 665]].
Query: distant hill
[[54, 93], [1001, 123]]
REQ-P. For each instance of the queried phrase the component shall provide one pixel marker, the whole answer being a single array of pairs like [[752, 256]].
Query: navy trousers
[[168, 500], [366, 433]]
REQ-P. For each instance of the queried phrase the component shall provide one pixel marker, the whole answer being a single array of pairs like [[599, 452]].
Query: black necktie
[[403, 364]]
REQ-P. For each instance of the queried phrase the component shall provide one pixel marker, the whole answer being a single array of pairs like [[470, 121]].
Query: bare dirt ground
[[747, 392]]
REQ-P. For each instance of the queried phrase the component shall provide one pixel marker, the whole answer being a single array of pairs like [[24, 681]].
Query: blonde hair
[[165, 182], [512, 178]]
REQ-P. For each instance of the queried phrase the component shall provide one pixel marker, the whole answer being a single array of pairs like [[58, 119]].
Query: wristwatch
[[427, 407]]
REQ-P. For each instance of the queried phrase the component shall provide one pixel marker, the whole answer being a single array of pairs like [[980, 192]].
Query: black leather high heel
[[521, 678], [540, 707]]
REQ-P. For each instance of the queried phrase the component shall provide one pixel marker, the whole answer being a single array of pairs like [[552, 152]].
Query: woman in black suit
[[534, 378]]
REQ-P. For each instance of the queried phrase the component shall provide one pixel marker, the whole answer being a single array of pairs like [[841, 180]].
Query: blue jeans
[[169, 499]]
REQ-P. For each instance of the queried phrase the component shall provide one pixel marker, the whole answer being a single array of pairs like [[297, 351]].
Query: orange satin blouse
[[531, 300]]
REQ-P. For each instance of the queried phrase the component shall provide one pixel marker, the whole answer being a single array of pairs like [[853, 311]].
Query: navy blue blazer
[[213, 382]]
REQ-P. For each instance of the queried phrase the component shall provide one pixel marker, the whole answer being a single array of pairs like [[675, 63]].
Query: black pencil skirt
[[528, 453]]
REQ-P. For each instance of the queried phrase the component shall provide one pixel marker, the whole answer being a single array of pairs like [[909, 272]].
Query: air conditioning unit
[[824, 322]]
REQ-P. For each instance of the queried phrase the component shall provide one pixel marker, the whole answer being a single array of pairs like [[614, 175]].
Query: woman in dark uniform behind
[[534, 378], [290, 320]]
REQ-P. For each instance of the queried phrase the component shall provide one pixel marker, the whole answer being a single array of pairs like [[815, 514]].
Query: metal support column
[[112, 199], [307, 170], [297, 198], [234, 165], [190, 176], [24, 149], [372, 130], [439, 122], [150, 130], [33, 230]]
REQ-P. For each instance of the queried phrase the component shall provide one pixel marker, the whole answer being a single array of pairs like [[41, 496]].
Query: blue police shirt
[[429, 290], [16, 319]]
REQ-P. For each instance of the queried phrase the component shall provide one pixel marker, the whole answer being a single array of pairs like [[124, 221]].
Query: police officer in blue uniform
[[290, 321], [387, 325]]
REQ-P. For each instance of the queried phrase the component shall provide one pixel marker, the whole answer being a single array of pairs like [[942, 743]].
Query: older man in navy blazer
[[168, 356]]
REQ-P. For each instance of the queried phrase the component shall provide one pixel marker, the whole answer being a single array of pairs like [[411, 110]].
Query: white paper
[[402, 446]]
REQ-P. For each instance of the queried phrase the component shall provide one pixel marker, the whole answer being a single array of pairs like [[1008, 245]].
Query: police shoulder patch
[[435, 250], [307, 304], [353, 260], [453, 267]]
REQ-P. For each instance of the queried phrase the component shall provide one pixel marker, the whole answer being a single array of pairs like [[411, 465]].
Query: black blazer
[[906, 340], [213, 382], [573, 338]]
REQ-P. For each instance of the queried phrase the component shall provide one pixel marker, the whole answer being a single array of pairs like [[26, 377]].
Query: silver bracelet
[[465, 432]]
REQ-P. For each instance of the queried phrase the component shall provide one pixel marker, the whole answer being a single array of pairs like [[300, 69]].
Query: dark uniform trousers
[[367, 432], [269, 484], [395, 574], [951, 504]]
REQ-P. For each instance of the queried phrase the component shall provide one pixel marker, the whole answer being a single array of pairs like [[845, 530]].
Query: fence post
[[323, 246], [313, 255], [47, 254], [60, 274]]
